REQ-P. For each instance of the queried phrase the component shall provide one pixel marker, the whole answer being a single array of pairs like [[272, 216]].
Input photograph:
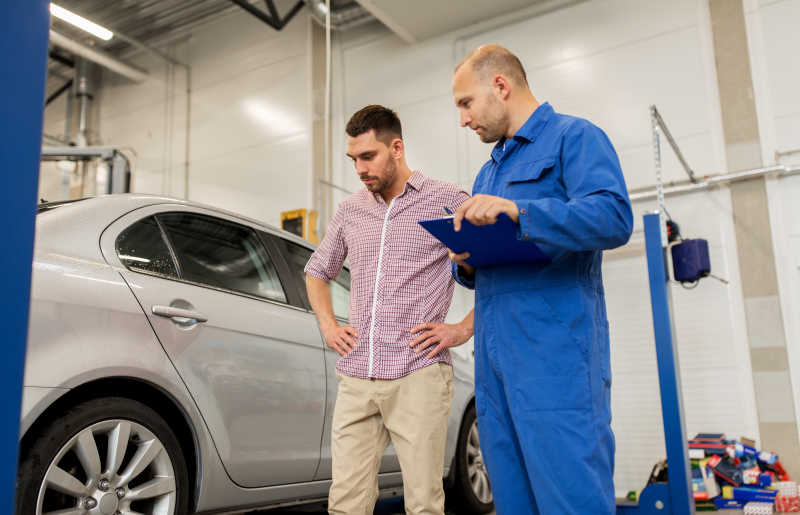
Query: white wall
[[605, 60], [774, 42], [249, 138]]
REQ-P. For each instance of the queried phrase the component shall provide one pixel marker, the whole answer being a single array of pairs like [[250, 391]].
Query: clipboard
[[488, 245]]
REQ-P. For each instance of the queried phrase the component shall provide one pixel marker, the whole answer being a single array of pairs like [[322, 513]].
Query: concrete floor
[[392, 506], [386, 507]]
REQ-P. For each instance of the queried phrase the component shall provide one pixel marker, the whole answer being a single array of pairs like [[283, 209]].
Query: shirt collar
[[535, 123], [529, 131], [415, 181]]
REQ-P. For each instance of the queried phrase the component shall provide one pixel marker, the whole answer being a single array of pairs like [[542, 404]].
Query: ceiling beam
[[272, 19], [55, 56], [387, 20]]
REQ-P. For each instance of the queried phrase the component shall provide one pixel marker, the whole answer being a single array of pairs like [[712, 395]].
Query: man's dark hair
[[381, 119]]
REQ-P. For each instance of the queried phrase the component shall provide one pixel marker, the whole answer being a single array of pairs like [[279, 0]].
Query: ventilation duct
[[98, 56]]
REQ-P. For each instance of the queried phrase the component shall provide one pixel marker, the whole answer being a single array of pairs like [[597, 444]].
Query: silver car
[[174, 366]]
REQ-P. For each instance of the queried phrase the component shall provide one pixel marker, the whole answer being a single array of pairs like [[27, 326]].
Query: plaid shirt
[[399, 274]]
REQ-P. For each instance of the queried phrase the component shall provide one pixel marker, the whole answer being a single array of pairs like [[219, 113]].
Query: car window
[[298, 256], [222, 254], [141, 248]]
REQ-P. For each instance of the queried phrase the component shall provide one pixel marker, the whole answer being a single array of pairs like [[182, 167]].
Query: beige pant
[[412, 413]]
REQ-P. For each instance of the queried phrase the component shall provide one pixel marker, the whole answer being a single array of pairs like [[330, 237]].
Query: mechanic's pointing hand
[[483, 210]]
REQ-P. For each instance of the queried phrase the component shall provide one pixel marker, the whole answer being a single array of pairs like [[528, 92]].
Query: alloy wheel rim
[[113, 467], [476, 469]]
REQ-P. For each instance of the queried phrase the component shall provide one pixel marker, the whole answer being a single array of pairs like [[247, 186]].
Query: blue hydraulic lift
[[674, 497], [24, 26]]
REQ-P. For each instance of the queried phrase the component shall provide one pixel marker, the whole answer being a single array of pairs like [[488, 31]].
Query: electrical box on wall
[[302, 222]]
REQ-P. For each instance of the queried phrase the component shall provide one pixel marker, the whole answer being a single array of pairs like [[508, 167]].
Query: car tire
[[111, 454], [471, 492]]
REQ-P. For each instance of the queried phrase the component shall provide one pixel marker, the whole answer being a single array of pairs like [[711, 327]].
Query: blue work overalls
[[542, 371]]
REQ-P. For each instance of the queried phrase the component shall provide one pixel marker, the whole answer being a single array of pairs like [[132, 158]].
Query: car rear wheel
[[471, 491], [106, 456]]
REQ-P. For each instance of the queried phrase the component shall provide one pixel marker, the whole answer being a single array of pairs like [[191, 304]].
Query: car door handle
[[178, 314]]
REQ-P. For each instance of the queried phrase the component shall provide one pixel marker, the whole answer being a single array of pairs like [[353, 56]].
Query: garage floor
[[385, 507], [394, 508]]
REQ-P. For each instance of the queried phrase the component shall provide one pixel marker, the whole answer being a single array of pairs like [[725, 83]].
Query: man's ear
[[501, 86], [397, 148]]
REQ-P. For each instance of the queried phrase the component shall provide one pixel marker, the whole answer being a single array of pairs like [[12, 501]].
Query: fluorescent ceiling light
[[81, 22]]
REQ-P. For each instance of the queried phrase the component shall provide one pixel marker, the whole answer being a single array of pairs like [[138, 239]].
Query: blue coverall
[[542, 371]]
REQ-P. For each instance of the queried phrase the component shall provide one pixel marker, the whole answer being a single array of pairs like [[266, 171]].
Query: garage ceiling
[[155, 23], [416, 20]]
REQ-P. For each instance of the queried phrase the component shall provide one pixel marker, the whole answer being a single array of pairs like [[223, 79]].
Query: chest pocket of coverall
[[532, 180]]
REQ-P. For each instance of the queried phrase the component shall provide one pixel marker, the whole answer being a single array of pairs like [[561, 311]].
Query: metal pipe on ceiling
[[99, 57], [709, 182], [84, 92]]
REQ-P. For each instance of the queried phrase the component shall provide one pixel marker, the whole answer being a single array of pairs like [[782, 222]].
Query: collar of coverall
[[529, 131]]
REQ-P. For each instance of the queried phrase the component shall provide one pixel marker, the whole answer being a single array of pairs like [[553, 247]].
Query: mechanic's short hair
[[493, 59]]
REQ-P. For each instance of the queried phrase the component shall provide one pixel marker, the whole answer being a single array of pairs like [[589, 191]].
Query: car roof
[[77, 225]]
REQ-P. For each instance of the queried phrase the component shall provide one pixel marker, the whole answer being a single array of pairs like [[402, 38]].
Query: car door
[[252, 362], [297, 256]]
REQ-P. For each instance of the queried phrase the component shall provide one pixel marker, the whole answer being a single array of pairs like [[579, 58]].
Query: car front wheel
[[106, 457]]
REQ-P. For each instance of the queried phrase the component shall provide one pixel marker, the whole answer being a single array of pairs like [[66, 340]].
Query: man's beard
[[381, 185], [489, 137], [496, 121]]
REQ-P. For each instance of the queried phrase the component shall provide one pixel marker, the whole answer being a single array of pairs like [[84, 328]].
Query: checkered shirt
[[411, 285]]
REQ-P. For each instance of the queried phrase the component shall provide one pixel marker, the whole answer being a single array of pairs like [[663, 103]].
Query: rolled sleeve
[[327, 260], [461, 277], [459, 274]]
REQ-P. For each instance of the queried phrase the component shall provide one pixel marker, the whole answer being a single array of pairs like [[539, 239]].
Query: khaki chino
[[410, 412]]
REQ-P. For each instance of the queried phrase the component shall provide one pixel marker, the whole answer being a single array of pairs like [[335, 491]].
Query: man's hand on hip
[[443, 336], [340, 338], [483, 210]]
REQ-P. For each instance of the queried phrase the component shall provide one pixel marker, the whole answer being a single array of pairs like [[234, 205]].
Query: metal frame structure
[[57, 93], [659, 124], [23, 48], [119, 175], [272, 18]]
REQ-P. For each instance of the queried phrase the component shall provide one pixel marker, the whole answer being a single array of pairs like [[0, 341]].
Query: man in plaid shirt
[[401, 288]]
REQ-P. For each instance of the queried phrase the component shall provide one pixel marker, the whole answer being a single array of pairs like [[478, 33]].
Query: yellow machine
[[302, 222]]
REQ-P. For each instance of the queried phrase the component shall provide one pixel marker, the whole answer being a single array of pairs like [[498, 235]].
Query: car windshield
[[47, 206]]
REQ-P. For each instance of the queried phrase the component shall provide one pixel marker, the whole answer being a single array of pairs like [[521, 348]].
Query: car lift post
[[24, 26], [674, 497]]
